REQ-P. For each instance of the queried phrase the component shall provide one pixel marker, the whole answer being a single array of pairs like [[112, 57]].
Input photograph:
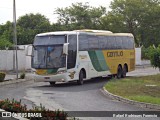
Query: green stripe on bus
[[98, 60]]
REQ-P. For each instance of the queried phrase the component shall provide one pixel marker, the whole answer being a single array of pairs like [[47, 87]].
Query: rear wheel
[[81, 76], [119, 72], [124, 71], [52, 83]]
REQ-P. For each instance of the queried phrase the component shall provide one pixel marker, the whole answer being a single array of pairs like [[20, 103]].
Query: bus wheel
[[52, 83], [80, 81], [124, 71], [119, 72]]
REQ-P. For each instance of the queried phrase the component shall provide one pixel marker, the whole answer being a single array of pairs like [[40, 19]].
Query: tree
[[114, 23], [150, 26], [29, 25], [134, 16], [80, 16], [6, 35], [6, 31], [132, 12], [4, 43], [154, 54]]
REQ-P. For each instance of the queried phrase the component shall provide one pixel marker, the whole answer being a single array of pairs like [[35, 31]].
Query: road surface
[[70, 96]]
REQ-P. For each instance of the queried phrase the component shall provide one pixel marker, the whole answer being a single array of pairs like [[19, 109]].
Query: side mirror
[[29, 50], [65, 48]]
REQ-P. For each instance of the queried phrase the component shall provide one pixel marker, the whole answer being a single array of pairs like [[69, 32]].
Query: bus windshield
[[48, 52]]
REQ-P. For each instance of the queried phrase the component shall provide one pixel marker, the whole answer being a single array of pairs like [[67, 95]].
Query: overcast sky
[[44, 7]]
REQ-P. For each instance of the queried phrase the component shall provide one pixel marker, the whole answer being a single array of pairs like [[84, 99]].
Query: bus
[[79, 55]]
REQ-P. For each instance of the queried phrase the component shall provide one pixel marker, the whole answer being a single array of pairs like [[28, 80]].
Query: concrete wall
[[138, 56], [6, 60], [24, 62]]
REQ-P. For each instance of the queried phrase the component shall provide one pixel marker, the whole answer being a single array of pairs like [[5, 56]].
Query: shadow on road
[[73, 86]]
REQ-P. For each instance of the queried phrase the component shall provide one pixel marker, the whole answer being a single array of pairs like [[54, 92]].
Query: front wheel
[[80, 81], [52, 83]]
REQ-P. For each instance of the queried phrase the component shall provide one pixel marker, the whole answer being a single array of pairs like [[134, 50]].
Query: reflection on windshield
[[48, 57], [55, 57]]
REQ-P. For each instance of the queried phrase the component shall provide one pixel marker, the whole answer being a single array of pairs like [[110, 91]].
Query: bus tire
[[52, 83], [81, 76], [124, 71], [119, 72]]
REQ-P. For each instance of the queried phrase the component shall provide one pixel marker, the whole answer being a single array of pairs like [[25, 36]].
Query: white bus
[[78, 55]]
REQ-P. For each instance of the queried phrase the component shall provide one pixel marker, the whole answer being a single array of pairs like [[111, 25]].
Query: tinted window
[[125, 43], [102, 42], [92, 42], [130, 43], [119, 42], [72, 39], [111, 42], [49, 40], [83, 42]]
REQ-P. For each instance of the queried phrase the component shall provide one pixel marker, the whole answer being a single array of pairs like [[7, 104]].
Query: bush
[[154, 54], [146, 52], [2, 76], [4, 43], [16, 107], [13, 106], [22, 75]]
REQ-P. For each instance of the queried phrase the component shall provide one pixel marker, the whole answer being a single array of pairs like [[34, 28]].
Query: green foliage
[[154, 54], [2, 76], [16, 107], [142, 89], [80, 16], [139, 17], [29, 25], [13, 106], [135, 16], [146, 52], [22, 75], [6, 36], [4, 43], [6, 31]]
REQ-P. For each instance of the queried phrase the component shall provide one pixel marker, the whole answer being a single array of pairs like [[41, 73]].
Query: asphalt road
[[70, 96]]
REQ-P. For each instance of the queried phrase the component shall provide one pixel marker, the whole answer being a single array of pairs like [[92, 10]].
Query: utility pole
[[15, 37]]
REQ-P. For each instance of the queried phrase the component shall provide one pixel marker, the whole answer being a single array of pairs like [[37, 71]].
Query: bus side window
[[125, 43], [93, 42], [102, 42], [83, 42], [119, 42], [130, 43], [111, 42]]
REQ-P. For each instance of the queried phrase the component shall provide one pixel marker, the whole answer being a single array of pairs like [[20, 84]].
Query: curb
[[132, 102], [13, 81]]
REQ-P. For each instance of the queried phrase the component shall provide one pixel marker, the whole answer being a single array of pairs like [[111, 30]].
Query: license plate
[[46, 78]]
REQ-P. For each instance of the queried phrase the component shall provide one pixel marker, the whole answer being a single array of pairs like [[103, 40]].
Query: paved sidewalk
[[12, 76]]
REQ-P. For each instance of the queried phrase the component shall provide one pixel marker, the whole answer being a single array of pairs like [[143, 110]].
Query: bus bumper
[[51, 78]]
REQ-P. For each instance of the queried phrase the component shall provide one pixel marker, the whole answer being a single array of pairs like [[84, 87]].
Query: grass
[[142, 89]]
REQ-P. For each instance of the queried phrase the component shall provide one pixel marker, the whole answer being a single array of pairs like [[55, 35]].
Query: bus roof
[[86, 31], [94, 31], [57, 33]]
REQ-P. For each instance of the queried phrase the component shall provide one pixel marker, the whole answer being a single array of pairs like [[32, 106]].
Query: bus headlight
[[61, 71]]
